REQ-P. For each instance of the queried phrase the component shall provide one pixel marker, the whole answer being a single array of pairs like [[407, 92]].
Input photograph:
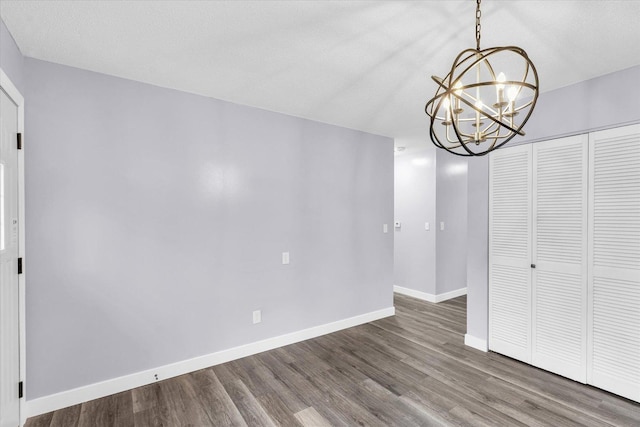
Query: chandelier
[[475, 110]]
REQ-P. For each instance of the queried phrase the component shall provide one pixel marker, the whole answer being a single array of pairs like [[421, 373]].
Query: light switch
[[385, 228], [426, 226], [285, 257], [441, 225], [257, 316]]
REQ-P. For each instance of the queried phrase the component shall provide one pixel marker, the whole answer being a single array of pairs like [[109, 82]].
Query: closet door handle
[[533, 266]]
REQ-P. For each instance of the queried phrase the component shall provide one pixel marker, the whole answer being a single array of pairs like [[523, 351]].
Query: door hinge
[[19, 265], [19, 141], [20, 390]]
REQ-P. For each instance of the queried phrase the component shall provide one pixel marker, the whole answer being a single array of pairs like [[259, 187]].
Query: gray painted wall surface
[[608, 101], [415, 204], [11, 60], [477, 245], [156, 221], [451, 208], [430, 186]]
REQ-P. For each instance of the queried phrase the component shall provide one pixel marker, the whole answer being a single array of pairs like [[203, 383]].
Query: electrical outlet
[[285, 257], [257, 316], [442, 226], [385, 228], [426, 226]]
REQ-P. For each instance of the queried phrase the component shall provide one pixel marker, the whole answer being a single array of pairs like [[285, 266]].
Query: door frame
[[9, 88]]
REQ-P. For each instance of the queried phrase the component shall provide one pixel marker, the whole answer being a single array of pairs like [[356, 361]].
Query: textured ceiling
[[358, 64]]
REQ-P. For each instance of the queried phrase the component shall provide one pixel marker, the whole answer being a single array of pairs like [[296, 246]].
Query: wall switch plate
[[257, 316], [385, 228], [285, 257], [442, 225], [426, 226]]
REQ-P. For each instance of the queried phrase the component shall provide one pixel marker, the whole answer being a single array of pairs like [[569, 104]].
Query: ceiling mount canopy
[[485, 100]]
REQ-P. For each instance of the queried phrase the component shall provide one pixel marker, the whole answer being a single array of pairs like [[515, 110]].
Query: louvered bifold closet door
[[559, 281], [510, 252], [614, 261]]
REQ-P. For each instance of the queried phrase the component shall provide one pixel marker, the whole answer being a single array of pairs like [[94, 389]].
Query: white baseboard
[[449, 295], [430, 297], [477, 343], [415, 294], [78, 395]]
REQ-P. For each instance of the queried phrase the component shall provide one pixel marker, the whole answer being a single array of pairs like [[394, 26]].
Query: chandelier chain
[[478, 26]]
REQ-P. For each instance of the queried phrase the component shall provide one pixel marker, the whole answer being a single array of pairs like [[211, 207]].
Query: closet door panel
[[559, 302], [510, 252], [614, 264]]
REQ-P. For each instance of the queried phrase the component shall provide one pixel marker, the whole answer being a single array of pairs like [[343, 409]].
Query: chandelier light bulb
[[446, 104], [501, 79]]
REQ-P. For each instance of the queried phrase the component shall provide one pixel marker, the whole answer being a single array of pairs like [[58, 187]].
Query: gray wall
[[451, 208], [430, 186], [11, 60], [415, 204], [608, 101], [156, 221], [477, 245]]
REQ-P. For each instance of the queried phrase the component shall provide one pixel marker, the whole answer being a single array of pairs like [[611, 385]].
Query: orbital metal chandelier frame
[[458, 112]]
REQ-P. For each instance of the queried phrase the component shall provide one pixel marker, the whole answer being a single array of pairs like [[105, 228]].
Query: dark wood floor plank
[[399, 411], [224, 373], [325, 350], [394, 374], [114, 410], [66, 416], [482, 405], [179, 404], [148, 406], [43, 420], [251, 410], [309, 417], [146, 397], [296, 381], [245, 370], [214, 399], [277, 374], [435, 406], [410, 369], [277, 410], [625, 413], [338, 406]]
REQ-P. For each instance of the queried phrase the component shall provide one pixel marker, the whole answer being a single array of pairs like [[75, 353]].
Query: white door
[[614, 261], [559, 282], [9, 289], [510, 252]]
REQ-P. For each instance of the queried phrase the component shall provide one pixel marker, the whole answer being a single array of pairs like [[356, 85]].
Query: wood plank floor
[[409, 370]]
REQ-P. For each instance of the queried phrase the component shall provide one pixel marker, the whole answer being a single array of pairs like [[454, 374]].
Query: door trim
[[8, 87]]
